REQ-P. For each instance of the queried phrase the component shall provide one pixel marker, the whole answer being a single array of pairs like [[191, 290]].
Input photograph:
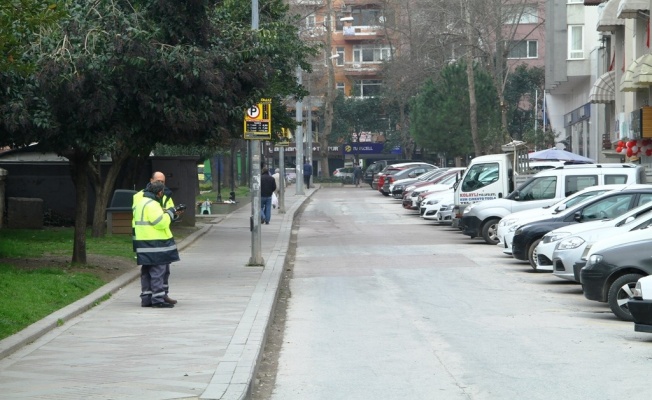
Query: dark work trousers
[[151, 283], [166, 279], [306, 180]]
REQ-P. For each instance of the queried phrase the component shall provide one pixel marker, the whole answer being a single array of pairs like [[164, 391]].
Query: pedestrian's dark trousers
[[306, 181], [151, 283]]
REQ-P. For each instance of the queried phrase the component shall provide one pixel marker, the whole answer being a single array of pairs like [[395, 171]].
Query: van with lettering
[[541, 190]]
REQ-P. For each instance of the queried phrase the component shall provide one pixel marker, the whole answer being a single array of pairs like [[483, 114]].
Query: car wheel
[[489, 230], [619, 293], [532, 253]]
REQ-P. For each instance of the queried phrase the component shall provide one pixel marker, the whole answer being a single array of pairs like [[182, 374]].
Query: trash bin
[[119, 214]]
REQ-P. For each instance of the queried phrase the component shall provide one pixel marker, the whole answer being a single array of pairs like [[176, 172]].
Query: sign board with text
[[258, 121]]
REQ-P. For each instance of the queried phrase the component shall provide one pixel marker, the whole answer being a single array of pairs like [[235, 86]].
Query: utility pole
[[299, 138], [256, 253]]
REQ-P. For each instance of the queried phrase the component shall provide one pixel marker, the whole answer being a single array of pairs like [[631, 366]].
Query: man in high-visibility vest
[[154, 244], [166, 202]]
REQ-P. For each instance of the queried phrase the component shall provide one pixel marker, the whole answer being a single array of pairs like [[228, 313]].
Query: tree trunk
[[473, 105], [79, 173], [406, 140], [104, 189]]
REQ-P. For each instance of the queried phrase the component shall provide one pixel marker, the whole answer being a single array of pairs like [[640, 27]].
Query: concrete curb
[[236, 372], [40, 328]]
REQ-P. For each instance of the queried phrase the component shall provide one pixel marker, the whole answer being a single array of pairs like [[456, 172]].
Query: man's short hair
[[155, 187], [265, 170]]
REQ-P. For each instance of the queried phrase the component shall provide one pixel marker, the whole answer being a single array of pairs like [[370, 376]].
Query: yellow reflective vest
[[153, 240]]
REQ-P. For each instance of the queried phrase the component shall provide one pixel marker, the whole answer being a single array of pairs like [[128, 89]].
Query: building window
[[522, 14], [367, 87], [339, 86], [340, 53], [575, 42], [310, 21], [370, 53], [366, 17], [523, 49]]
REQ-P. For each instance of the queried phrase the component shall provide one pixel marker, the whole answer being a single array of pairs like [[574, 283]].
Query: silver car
[[567, 256]]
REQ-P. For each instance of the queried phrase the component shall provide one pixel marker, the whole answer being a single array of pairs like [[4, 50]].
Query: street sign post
[[258, 121]]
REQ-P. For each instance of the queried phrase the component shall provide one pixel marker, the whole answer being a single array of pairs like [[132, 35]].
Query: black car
[[607, 205], [377, 166], [611, 274]]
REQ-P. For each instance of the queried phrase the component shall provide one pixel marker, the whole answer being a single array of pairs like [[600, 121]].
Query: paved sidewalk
[[207, 347]]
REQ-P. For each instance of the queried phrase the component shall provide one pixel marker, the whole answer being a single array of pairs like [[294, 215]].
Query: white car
[[432, 204], [401, 184], [508, 225], [561, 248], [445, 184]]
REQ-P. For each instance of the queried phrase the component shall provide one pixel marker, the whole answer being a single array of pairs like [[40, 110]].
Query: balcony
[[358, 33], [361, 69], [308, 2], [357, 3]]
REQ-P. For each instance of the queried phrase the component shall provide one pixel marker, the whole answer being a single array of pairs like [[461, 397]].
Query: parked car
[[561, 248], [543, 189], [374, 168], [290, 175], [507, 225], [611, 272], [640, 305], [397, 186], [442, 182], [438, 207], [410, 172], [392, 169], [607, 205], [345, 173]]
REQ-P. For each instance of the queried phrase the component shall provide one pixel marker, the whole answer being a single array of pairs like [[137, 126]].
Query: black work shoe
[[163, 305], [170, 300], [145, 304]]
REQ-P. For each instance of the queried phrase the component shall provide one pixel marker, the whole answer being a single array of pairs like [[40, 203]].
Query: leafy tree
[[117, 78], [440, 112], [353, 116], [521, 98], [20, 22]]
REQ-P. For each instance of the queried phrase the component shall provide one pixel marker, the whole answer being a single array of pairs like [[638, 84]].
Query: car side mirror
[[517, 195], [629, 219], [561, 207], [577, 216]]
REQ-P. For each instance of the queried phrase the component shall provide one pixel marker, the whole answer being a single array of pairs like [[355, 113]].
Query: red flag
[[623, 68], [613, 63]]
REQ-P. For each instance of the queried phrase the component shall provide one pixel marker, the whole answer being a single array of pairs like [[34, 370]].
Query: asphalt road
[[385, 305]]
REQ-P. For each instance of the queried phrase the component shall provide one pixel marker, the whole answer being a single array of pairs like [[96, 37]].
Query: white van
[[543, 189]]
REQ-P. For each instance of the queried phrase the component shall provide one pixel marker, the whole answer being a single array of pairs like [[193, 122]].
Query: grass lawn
[[37, 277]]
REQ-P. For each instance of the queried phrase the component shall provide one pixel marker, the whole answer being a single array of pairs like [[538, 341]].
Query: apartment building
[[596, 77]]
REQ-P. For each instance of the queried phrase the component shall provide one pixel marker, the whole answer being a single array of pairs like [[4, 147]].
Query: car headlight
[[432, 201], [517, 231], [506, 222], [468, 209], [594, 259], [570, 243], [398, 187], [409, 188], [512, 228], [553, 237]]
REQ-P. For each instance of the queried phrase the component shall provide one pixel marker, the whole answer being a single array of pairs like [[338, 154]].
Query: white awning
[[604, 88], [642, 75], [608, 21], [627, 80], [629, 8]]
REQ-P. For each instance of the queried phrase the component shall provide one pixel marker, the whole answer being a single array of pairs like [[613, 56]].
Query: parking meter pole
[[299, 139], [281, 180], [256, 241]]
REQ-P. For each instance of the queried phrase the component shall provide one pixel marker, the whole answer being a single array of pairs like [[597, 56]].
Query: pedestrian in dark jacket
[[267, 188], [307, 173]]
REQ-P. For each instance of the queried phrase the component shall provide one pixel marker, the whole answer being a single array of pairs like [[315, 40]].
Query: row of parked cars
[[594, 228]]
